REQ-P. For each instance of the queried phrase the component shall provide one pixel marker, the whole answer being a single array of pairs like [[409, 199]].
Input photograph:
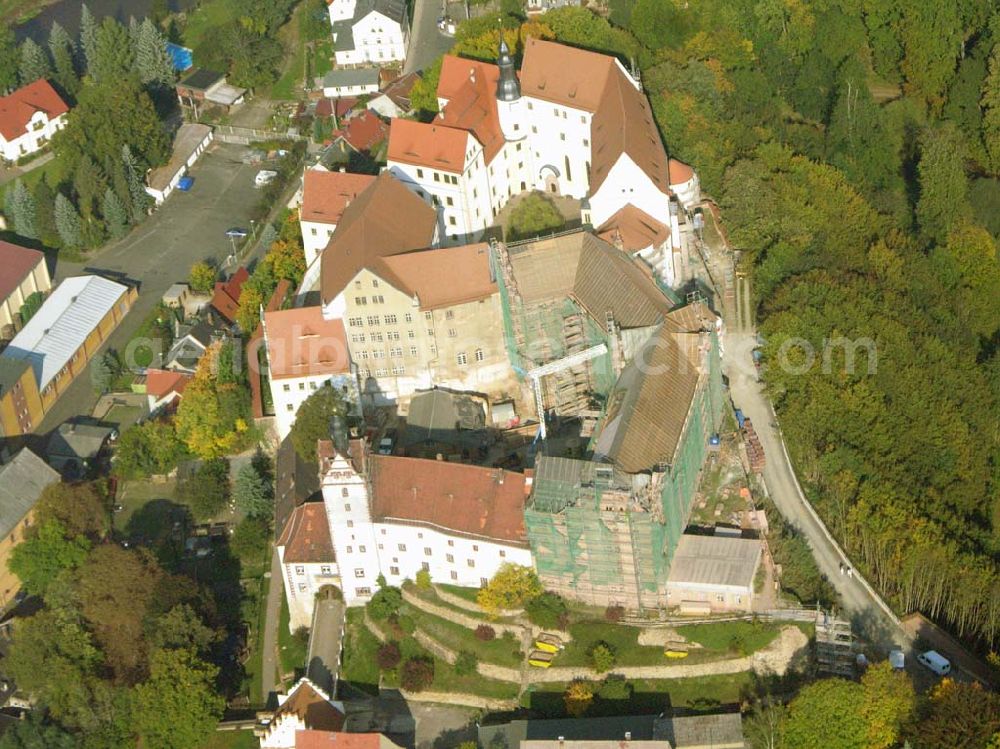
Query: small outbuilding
[[190, 143], [350, 82], [713, 573]]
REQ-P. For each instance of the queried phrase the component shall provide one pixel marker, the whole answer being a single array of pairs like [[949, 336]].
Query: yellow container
[[540, 659], [675, 653], [548, 643]]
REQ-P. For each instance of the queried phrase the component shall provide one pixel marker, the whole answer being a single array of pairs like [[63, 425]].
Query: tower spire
[[508, 87]]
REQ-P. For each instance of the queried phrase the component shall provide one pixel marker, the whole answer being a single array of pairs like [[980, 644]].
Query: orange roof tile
[[363, 131], [18, 107], [325, 195], [467, 499], [564, 75], [336, 740], [470, 87], [679, 172], [435, 146], [226, 298], [306, 536], [161, 382], [385, 219], [312, 707], [636, 229], [16, 263], [301, 343], [421, 274]]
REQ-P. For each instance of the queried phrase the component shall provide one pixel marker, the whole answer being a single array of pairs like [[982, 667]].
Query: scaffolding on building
[[834, 645]]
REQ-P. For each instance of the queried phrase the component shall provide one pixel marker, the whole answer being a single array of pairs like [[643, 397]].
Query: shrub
[[485, 633], [465, 663], [417, 674], [388, 656], [614, 613], [578, 696], [301, 635], [534, 214], [602, 656], [737, 644], [547, 610], [615, 687], [510, 587], [423, 579], [384, 603]]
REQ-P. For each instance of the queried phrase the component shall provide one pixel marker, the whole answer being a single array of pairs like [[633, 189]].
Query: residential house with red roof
[[23, 272], [305, 352], [394, 516], [362, 132], [29, 117], [226, 298], [325, 195], [164, 388]]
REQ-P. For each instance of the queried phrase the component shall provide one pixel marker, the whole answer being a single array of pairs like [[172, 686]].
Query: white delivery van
[[936, 662], [264, 177]]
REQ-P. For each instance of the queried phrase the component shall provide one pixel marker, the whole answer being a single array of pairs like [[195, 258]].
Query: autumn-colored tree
[[578, 697], [287, 260], [957, 715], [202, 277], [889, 702], [178, 706], [213, 417], [511, 587], [826, 715], [83, 508]]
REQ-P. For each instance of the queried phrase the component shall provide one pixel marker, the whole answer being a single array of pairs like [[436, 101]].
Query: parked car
[[236, 233], [936, 662], [264, 177]]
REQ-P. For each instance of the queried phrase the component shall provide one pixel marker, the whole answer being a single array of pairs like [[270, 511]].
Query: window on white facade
[[462, 359], [325, 570], [389, 319], [449, 314], [357, 284], [362, 549], [302, 386], [286, 387], [402, 547], [360, 301], [454, 575], [381, 372], [376, 338], [427, 315], [289, 407], [373, 319], [471, 562], [350, 549], [427, 551], [480, 355], [300, 570], [408, 317], [413, 350], [475, 547], [378, 299], [394, 570], [420, 173], [451, 542], [362, 592], [344, 492], [425, 566], [302, 587], [449, 201], [313, 230], [359, 572], [312, 385], [452, 333], [483, 582], [355, 322], [450, 558]]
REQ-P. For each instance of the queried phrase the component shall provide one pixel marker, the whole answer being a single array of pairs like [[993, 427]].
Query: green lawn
[[50, 169], [292, 649], [502, 651], [649, 696], [358, 666], [203, 22], [469, 594], [289, 85], [744, 637], [153, 336], [322, 62], [123, 416], [255, 663], [232, 740], [622, 639], [445, 678]]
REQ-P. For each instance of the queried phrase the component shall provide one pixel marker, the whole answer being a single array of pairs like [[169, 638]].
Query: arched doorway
[[549, 176]]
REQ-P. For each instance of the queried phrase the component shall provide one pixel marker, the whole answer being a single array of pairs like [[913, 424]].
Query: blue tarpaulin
[[181, 56], [184, 183]]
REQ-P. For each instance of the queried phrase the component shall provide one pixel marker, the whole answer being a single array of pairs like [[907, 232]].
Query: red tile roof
[[470, 87], [420, 274], [386, 219], [325, 195], [399, 90], [16, 263], [564, 75], [18, 107], [636, 229], [473, 500], [679, 172], [161, 382], [312, 707], [306, 536], [335, 740], [301, 343], [253, 347], [226, 298], [435, 146], [363, 131]]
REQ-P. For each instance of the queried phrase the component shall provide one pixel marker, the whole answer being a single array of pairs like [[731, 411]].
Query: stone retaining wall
[[469, 622], [374, 628], [472, 606], [468, 700]]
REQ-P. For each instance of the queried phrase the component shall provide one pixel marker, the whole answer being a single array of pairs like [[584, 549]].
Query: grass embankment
[[292, 649], [360, 668]]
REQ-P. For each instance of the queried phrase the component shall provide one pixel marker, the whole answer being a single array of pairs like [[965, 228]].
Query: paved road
[[865, 610], [323, 661], [189, 227], [426, 41], [272, 619]]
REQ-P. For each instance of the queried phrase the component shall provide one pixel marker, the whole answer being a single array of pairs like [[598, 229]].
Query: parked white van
[[264, 177], [936, 662]]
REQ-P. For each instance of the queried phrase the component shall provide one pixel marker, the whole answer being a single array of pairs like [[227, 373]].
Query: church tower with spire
[[510, 105]]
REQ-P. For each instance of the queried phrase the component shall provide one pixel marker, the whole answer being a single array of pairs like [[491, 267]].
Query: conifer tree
[[34, 62], [62, 50], [138, 196], [152, 61], [88, 38], [45, 218], [115, 214], [68, 222], [23, 208], [10, 59]]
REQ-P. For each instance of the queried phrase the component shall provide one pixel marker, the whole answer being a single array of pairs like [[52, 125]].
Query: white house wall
[[377, 38], [288, 393], [315, 236], [39, 131], [627, 183], [560, 135]]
